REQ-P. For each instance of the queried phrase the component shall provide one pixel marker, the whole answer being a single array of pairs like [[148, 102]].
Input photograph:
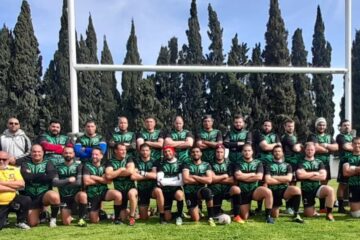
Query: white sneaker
[[53, 222], [179, 221], [22, 225], [289, 211]]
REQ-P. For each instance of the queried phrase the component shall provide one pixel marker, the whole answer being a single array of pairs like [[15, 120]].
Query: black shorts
[[341, 178], [144, 197], [193, 199], [218, 198], [309, 198], [169, 197], [246, 197], [354, 194], [68, 202], [37, 202], [95, 202], [278, 196]]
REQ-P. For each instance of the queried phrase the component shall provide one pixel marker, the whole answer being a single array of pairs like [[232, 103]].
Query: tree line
[[257, 96]]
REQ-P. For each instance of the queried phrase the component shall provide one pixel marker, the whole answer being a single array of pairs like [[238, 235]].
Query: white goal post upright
[[74, 66]]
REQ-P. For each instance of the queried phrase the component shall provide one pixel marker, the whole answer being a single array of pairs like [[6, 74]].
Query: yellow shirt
[[7, 175]]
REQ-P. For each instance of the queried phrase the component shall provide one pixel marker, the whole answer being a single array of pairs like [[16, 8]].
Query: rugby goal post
[[74, 66]]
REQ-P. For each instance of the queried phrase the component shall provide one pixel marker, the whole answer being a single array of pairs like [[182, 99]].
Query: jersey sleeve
[[86, 170], [287, 141], [289, 169], [340, 139], [260, 168], [322, 166], [249, 138], [267, 170], [312, 138], [219, 137]]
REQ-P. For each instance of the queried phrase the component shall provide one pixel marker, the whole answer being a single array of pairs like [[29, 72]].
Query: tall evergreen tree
[[193, 83], [25, 73], [259, 99], [56, 83], [323, 87], [280, 88], [110, 97], [304, 109], [6, 45]]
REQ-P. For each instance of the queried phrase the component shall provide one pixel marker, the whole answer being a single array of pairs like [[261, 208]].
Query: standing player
[[352, 170], [223, 184], [248, 173], [236, 138], [152, 137], [145, 175], [119, 170], [180, 139], [38, 175], [169, 179], [96, 187], [208, 138], [344, 140], [324, 146], [196, 175], [68, 180], [310, 172], [124, 136], [85, 144], [278, 175], [53, 143]]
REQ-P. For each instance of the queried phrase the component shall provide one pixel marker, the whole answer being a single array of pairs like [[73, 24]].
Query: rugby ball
[[224, 219]]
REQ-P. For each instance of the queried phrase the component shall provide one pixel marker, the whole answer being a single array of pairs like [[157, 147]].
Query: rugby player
[[124, 136], [311, 172], [278, 176], [196, 175], [169, 179], [119, 170], [68, 180]]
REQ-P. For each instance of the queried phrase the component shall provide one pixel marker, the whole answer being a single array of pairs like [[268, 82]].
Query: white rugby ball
[[224, 219]]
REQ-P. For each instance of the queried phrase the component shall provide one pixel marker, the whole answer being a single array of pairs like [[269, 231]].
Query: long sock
[[341, 203], [289, 203], [267, 212], [236, 200], [180, 207], [210, 212], [161, 217], [296, 203], [322, 203], [259, 203], [54, 211], [328, 210], [217, 210], [82, 210], [117, 210]]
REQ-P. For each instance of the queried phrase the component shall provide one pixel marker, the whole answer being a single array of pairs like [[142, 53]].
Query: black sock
[[200, 206], [217, 210], [267, 212], [341, 203], [259, 203], [54, 211], [117, 210], [236, 200], [161, 216], [289, 203], [296, 203], [82, 210], [210, 212], [329, 210], [322, 203], [180, 207]]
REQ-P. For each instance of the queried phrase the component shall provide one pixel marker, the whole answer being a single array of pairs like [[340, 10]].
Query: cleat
[[118, 222], [323, 210], [342, 210], [179, 221], [131, 221], [82, 223], [270, 220], [22, 225], [330, 218], [238, 219], [289, 211], [212, 222], [298, 219], [52, 223]]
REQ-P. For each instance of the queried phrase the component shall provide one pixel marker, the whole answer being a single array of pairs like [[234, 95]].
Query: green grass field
[[314, 228]]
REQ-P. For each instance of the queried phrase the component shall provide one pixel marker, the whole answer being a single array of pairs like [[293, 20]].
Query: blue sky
[[156, 21]]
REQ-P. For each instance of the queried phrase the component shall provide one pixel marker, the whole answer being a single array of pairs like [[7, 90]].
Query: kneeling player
[[119, 170], [145, 175], [68, 180], [248, 173], [223, 184], [195, 176], [169, 179], [96, 187], [278, 176], [351, 169], [310, 172]]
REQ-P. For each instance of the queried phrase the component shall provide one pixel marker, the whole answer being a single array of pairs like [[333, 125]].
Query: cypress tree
[[322, 83], [304, 109], [193, 83], [175, 77], [280, 88], [25, 73]]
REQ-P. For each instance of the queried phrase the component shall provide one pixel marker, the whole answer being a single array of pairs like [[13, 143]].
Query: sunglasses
[[13, 123]]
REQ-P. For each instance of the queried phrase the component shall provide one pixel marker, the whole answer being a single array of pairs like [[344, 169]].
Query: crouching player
[[169, 179], [223, 184], [96, 187], [310, 172], [248, 173], [195, 176], [119, 170], [351, 169], [68, 180], [278, 176]]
